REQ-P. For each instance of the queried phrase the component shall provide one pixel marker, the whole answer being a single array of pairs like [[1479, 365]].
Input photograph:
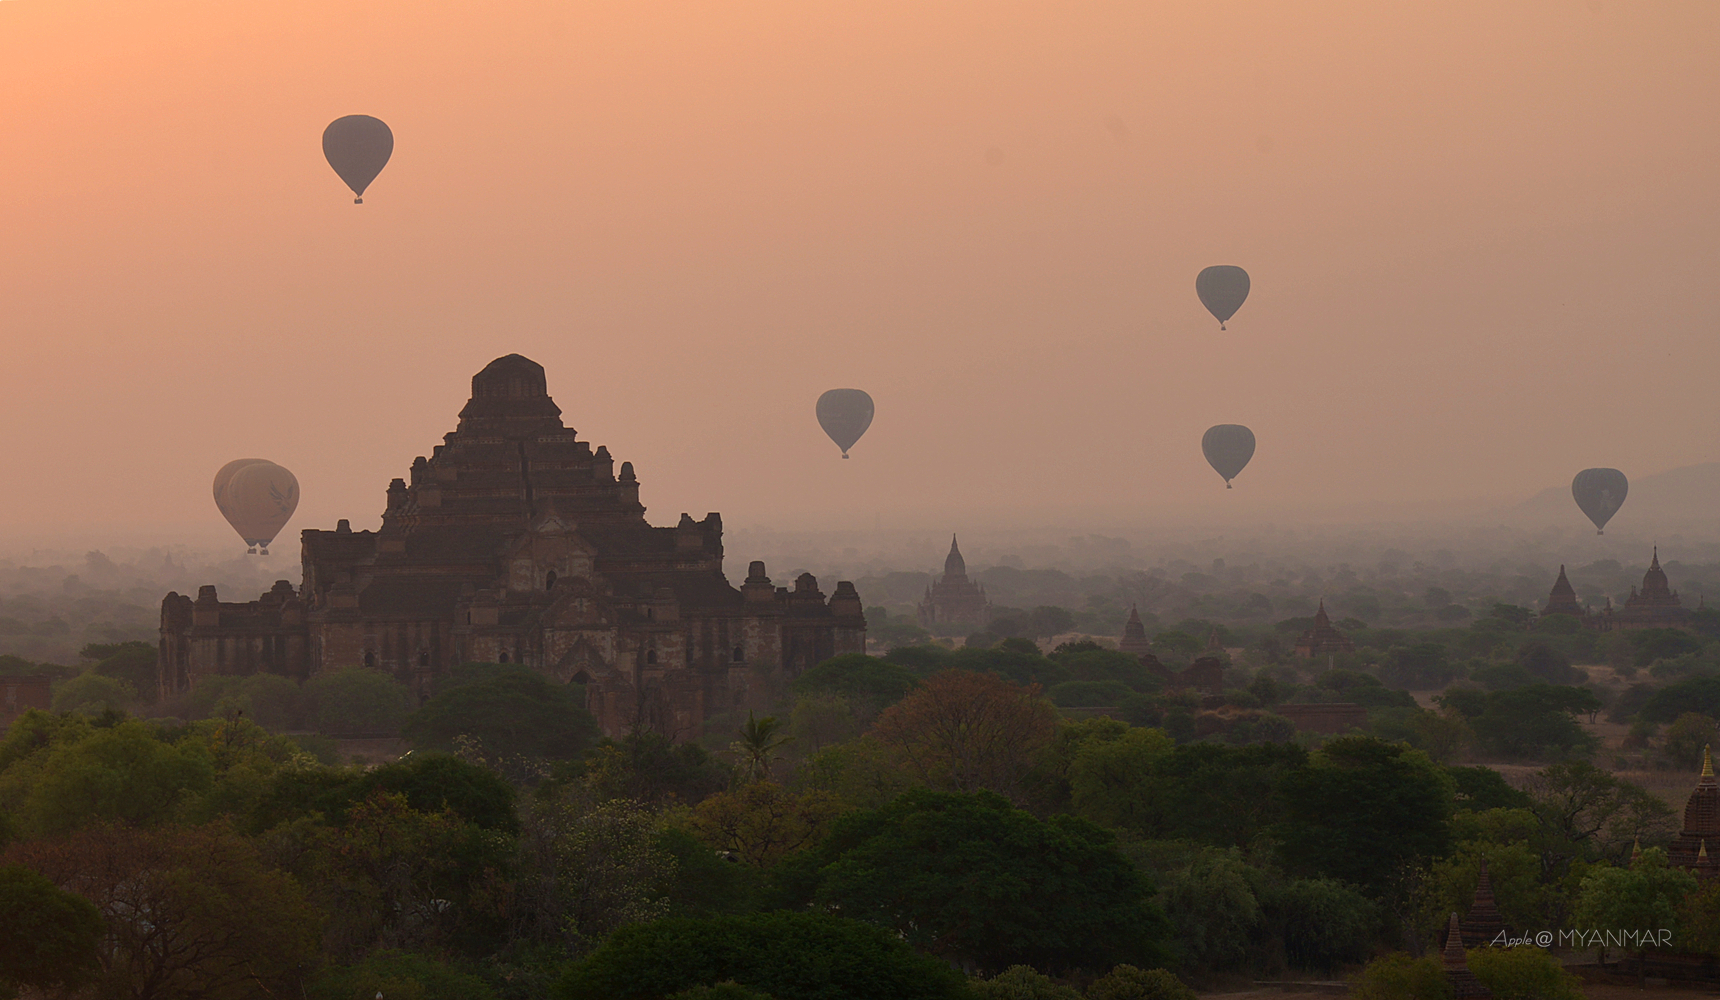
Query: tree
[[964, 731], [391, 876], [398, 975], [1534, 720], [1654, 644], [356, 701], [1099, 664], [1687, 737], [1112, 781], [51, 935], [132, 662], [1420, 667], [1399, 977], [1523, 973], [1363, 808], [121, 774], [645, 766], [1212, 908], [869, 683], [1126, 982], [190, 913], [971, 879], [1480, 788], [517, 714], [1323, 923], [1220, 795], [1699, 693], [1047, 622], [1646, 896], [760, 823], [92, 694], [1587, 811], [1022, 982], [601, 864], [759, 746], [1080, 693], [780, 954]]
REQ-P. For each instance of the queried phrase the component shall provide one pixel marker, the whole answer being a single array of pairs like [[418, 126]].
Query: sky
[[1482, 239]]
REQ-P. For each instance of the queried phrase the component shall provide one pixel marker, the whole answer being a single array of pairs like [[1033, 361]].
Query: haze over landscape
[[1478, 239]]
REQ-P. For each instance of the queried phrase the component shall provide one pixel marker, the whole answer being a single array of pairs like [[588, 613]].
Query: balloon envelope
[[224, 476], [1222, 289], [358, 147], [259, 501], [845, 414], [1227, 447], [1600, 493]]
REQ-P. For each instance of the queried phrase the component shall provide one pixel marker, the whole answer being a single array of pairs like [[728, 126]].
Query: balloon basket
[[251, 551], [358, 201]]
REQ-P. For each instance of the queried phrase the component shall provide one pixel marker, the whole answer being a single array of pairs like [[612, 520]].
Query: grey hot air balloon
[[1227, 447], [257, 498], [358, 147], [1600, 493], [1222, 289], [845, 414]]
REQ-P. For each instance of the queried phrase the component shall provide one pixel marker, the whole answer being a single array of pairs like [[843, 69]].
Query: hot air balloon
[[1600, 493], [257, 499], [1227, 447], [1222, 289], [358, 147], [845, 414]]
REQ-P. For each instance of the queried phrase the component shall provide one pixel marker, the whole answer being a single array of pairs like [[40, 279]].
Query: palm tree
[[760, 739]]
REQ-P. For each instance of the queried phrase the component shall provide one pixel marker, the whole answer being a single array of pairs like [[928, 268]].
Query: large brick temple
[[516, 542]]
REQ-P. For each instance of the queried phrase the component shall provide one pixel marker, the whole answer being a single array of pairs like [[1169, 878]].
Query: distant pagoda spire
[[1464, 985]]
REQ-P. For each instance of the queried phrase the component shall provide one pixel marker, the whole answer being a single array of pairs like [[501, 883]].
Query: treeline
[[927, 824]]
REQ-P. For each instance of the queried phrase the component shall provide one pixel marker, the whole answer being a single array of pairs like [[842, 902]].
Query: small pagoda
[[1563, 600], [1484, 924], [1464, 985], [1135, 641], [1701, 824], [1323, 639]]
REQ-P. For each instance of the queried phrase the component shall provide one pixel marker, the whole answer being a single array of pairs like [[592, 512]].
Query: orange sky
[[1483, 239]]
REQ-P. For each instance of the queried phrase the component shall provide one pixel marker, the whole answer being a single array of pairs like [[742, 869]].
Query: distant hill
[[1687, 496]]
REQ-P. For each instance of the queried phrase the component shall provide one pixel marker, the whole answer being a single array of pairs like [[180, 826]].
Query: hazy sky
[[1483, 239]]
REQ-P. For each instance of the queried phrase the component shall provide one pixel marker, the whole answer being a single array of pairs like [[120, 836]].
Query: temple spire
[[1707, 762], [954, 565]]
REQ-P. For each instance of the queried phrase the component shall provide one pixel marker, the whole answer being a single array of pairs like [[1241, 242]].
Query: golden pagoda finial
[[1636, 850], [1707, 762], [1702, 851]]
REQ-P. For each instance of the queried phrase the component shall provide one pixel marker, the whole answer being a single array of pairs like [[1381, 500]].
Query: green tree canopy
[[860, 678], [970, 878], [1362, 808], [356, 700], [782, 954], [51, 935], [516, 714]]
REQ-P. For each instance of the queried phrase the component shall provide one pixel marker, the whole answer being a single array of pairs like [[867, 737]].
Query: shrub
[[1022, 982], [1126, 982], [1400, 977], [1523, 973]]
